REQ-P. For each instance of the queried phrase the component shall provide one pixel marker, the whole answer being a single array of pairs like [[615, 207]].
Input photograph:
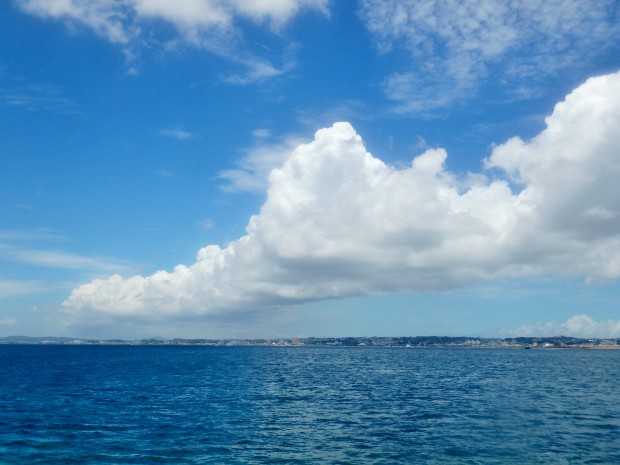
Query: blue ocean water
[[307, 405]]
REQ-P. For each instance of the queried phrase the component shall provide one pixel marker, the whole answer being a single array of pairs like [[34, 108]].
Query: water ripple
[[201, 405]]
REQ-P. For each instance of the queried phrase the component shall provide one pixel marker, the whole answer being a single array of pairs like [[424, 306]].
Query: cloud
[[454, 46], [13, 287], [261, 133], [8, 321], [34, 234], [105, 17], [190, 15], [257, 70], [207, 223], [277, 12], [570, 171], [120, 21], [576, 326], [67, 260], [34, 97], [177, 133], [338, 222], [253, 169], [207, 24], [27, 246]]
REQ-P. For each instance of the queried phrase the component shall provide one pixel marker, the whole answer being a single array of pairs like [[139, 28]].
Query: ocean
[[307, 405]]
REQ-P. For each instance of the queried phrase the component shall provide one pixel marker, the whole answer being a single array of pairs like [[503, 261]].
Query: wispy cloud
[[455, 45], [177, 133], [106, 18], [203, 24], [207, 223], [8, 321], [252, 172], [32, 247], [62, 259], [36, 97], [261, 133], [13, 287], [32, 234], [257, 70]]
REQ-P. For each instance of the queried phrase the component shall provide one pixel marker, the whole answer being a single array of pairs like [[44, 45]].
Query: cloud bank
[[455, 45], [338, 222]]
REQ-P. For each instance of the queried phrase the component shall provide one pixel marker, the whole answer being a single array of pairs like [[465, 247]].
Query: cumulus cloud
[[570, 171], [454, 45], [209, 24], [576, 326], [339, 222]]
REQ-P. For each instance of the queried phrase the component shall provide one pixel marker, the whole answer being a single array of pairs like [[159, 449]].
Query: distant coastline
[[565, 342]]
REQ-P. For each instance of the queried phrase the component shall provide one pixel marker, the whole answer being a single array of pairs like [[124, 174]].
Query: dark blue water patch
[[307, 405]]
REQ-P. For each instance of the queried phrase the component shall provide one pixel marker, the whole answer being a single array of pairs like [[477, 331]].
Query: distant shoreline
[[559, 342]]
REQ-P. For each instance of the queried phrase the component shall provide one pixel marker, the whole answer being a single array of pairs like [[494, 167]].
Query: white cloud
[[185, 14], [119, 20], [189, 14], [261, 133], [105, 17], [62, 259], [254, 168], [208, 24], [339, 222], [13, 287], [277, 12], [454, 45], [207, 223], [177, 133], [570, 171], [8, 321], [576, 326], [46, 97], [257, 70], [35, 234], [28, 246]]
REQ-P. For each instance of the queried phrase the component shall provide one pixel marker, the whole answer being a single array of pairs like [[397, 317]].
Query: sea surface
[[307, 405]]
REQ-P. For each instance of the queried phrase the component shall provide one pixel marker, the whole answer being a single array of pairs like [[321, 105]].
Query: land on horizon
[[374, 341]]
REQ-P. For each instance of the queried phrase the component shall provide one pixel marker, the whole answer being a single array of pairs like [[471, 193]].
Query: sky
[[279, 168]]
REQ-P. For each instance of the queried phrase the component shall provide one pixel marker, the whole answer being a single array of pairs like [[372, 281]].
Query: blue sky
[[205, 168]]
